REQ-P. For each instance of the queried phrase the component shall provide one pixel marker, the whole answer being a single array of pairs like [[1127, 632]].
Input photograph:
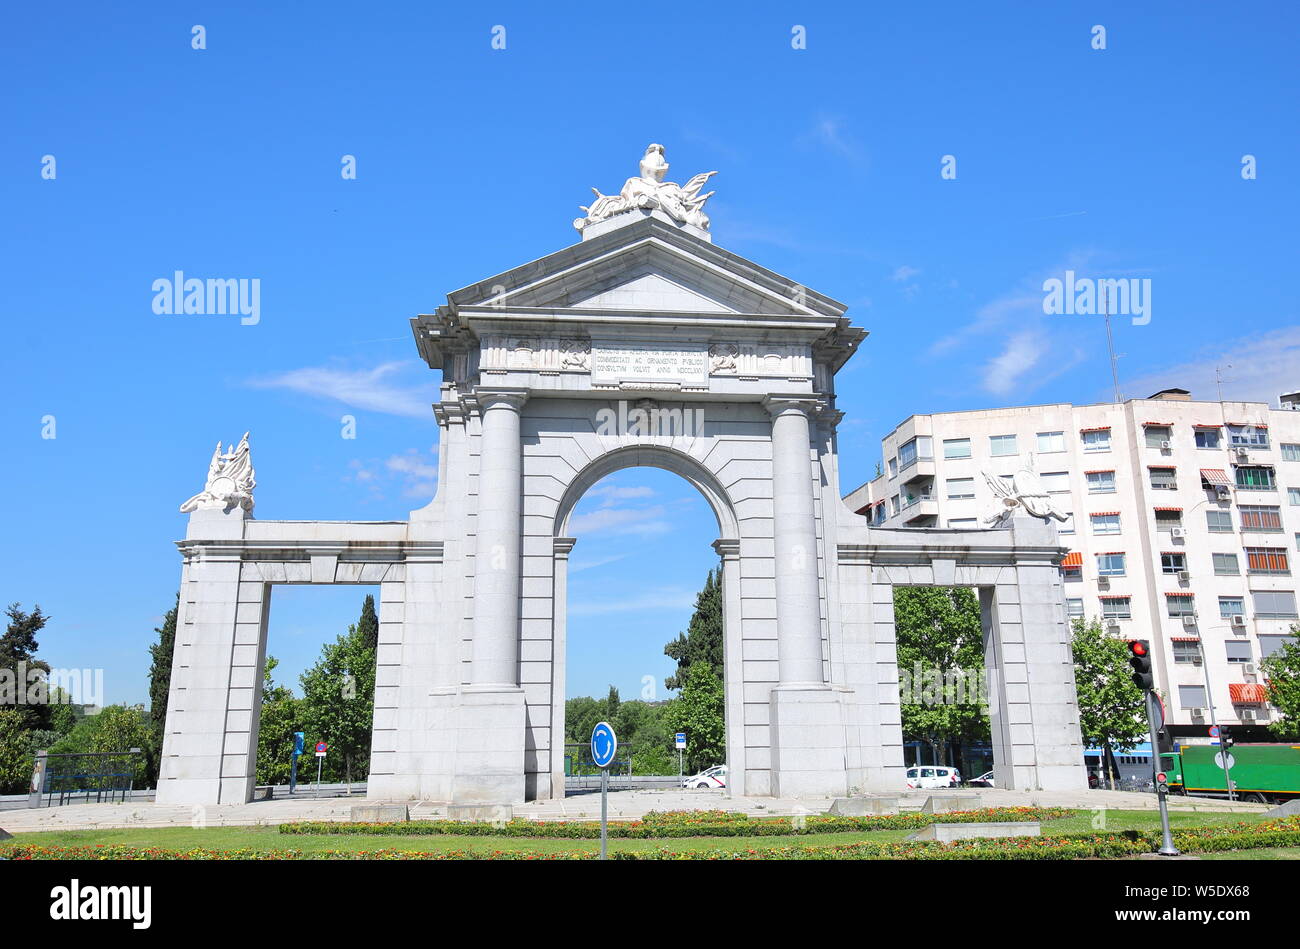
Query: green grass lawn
[[269, 838], [1265, 853]]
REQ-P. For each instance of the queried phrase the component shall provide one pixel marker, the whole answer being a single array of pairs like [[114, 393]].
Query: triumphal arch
[[643, 343]]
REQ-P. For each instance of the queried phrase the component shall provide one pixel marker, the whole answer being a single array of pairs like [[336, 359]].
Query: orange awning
[[1168, 509], [1180, 594], [1103, 428], [1247, 693], [1185, 639], [1073, 559], [1215, 477]]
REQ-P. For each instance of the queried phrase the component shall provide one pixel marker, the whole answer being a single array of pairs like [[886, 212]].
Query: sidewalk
[[623, 805]]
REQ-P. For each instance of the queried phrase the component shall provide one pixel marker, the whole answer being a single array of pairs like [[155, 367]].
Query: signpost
[[604, 745], [321, 748], [681, 746]]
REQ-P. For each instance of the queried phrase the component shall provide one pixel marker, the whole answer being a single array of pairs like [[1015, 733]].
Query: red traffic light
[[1138, 647], [1162, 778]]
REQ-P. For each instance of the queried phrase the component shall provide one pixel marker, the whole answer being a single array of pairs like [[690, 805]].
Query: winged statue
[[650, 192], [230, 480], [1024, 490]]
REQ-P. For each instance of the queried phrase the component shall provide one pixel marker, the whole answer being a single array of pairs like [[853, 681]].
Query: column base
[[489, 747], [809, 755]]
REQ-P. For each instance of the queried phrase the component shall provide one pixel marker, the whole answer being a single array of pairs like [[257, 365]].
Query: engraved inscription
[[614, 364]]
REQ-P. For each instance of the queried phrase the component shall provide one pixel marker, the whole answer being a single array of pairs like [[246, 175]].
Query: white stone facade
[[643, 344], [1183, 538]]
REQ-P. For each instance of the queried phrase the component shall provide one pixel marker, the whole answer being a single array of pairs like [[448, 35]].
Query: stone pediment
[[649, 266]]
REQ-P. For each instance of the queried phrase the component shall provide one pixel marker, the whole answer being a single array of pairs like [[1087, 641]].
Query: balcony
[[918, 508]]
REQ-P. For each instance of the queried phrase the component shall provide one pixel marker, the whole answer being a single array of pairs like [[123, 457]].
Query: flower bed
[[673, 824], [1284, 832]]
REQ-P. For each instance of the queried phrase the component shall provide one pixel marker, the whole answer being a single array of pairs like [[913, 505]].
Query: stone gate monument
[[641, 344]]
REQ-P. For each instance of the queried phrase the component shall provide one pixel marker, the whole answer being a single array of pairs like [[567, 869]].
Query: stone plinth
[[946, 832], [380, 813], [941, 804]]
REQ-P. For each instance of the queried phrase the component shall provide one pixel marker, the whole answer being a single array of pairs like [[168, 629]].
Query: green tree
[[368, 624], [702, 641], [940, 660], [280, 717], [699, 713], [160, 680], [1112, 711], [21, 673], [116, 728], [15, 751], [64, 713], [338, 696], [1282, 673]]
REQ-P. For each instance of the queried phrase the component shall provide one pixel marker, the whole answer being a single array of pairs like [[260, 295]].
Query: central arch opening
[[639, 624]]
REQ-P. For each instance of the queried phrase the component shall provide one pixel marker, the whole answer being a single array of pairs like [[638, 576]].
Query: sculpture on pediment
[[722, 357], [650, 192], [575, 354], [230, 481], [1025, 491]]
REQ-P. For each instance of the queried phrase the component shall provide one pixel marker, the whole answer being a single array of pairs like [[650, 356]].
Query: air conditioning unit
[[1249, 668], [1112, 625], [1247, 714], [1197, 660], [1178, 532], [1165, 446], [1243, 454], [1198, 714], [1189, 620], [1184, 575], [1238, 620], [1103, 581], [1224, 494]]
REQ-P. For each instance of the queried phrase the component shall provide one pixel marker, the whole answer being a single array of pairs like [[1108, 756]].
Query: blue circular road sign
[[603, 744]]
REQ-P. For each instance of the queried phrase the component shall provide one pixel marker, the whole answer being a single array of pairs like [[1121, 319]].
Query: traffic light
[[1225, 739], [1140, 659]]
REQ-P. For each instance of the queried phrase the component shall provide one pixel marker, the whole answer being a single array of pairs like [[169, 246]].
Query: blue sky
[[224, 162]]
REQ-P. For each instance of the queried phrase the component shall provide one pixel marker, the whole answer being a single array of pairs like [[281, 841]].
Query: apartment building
[[1184, 525]]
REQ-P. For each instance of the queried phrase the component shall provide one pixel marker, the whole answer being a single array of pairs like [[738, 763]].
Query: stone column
[[798, 598], [492, 718], [807, 715], [495, 654]]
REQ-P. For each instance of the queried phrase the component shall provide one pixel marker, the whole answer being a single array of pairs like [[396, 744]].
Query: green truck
[[1268, 772]]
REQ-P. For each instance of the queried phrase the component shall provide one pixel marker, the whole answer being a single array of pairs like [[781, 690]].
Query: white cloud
[[412, 473], [1022, 353], [577, 566], [1264, 365], [904, 273], [371, 389], [612, 492], [645, 521]]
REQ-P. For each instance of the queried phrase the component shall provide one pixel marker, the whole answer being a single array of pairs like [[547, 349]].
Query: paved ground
[[623, 805]]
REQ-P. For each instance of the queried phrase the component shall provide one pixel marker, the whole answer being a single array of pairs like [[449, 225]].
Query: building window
[[1191, 696], [1071, 573], [1110, 565], [1074, 606], [914, 450], [1055, 482], [1230, 606], [1225, 565], [1101, 482], [1002, 445], [1067, 526], [1255, 478], [1293, 496], [963, 523], [1173, 562], [1116, 607], [1290, 452], [956, 448], [1247, 436], [894, 505], [1219, 522], [1271, 643], [1051, 441], [893, 468], [1164, 479], [1105, 523], [1157, 436], [1273, 604], [1167, 520], [1207, 438], [960, 488], [1185, 651], [1098, 440], [1180, 605], [1238, 651], [1261, 518], [1267, 560]]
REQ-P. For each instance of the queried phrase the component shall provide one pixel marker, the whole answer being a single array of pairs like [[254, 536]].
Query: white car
[[933, 776], [712, 778]]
